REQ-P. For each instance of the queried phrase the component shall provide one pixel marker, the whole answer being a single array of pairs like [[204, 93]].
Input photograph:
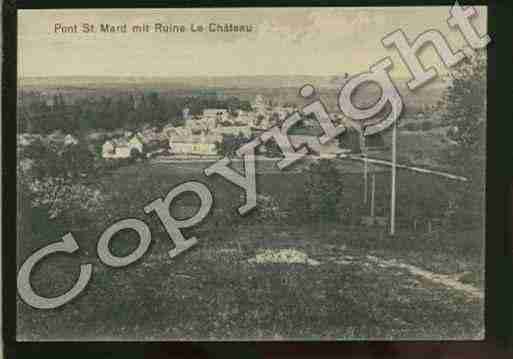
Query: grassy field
[[214, 292], [217, 290]]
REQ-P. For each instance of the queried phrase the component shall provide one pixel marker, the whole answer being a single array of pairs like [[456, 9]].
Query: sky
[[285, 41]]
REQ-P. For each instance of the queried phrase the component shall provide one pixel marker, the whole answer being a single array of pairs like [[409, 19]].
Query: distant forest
[[40, 114]]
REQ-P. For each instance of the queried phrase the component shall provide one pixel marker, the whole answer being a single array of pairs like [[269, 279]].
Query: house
[[122, 148], [202, 123], [115, 149], [70, 140], [233, 130], [59, 138], [169, 129], [216, 114], [136, 143], [26, 139], [202, 145], [108, 149], [176, 132]]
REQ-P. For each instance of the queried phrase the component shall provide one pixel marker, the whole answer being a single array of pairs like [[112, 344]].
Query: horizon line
[[172, 76]]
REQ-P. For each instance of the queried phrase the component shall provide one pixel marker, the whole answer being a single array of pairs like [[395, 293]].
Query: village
[[199, 137]]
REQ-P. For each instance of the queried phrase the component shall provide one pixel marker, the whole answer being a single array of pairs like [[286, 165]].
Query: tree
[[464, 103], [55, 195], [463, 107], [56, 167], [230, 144], [323, 191]]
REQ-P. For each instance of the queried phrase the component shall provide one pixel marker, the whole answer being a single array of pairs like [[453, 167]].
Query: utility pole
[[393, 185], [373, 191], [365, 166]]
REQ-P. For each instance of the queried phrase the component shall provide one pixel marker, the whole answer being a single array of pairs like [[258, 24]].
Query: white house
[[116, 149], [217, 113], [121, 147], [176, 132], [70, 140], [202, 124], [136, 143], [233, 130], [203, 145], [26, 139]]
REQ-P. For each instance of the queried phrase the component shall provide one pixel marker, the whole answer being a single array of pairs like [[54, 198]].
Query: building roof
[[214, 111], [118, 142], [207, 139]]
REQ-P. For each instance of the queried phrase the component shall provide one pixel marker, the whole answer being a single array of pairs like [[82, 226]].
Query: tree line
[[127, 111]]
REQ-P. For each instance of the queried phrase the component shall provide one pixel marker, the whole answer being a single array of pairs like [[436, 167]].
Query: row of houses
[[174, 140], [26, 139], [222, 121], [123, 147], [198, 136], [205, 145]]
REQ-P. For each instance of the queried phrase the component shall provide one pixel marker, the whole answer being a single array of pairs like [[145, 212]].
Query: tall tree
[[464, 103], [464, 109]]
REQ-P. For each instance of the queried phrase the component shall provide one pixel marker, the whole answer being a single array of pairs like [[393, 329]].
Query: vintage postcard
[[251, 174]]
